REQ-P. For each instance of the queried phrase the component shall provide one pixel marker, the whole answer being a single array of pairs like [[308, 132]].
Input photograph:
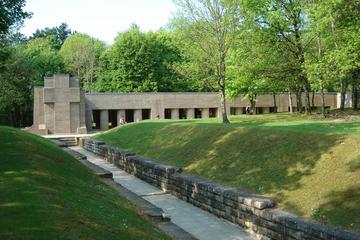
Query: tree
[[81, 54], [336, 25], [286, 20], [141, 62], [16, 89], [44, 58], [61, 33], [212, 26], [256, 65], [11, 13]]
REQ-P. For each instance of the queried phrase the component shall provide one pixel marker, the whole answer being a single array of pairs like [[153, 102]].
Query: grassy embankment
[[46, 194], [310, 166]]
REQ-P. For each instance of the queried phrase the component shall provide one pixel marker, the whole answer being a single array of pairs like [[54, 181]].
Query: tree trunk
[[253, 105], [223, 106], [275, 106], [322, 100], [343, 87], [313, 99], [307, 96], [354, 95], [291, 110], [299, 101], [221, 72]]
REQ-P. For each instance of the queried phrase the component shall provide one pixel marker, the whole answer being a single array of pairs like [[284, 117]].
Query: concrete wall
[[255, 213], [61, 107], [158, 102]]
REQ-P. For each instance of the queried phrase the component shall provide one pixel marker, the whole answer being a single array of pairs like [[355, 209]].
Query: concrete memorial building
[[60, 107]]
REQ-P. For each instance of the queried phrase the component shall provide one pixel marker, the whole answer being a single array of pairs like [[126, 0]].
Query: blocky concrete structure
[[60, 107]]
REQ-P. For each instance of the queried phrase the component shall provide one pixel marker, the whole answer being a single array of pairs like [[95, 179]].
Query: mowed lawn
[[46, 194], [310, 166]]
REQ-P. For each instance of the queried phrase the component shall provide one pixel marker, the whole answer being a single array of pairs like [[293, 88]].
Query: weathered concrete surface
[[252, 212], [200, 223], [61, 107]]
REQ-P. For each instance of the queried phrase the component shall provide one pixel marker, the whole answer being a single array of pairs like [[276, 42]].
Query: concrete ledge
[[253, 212], [98, 171], [143, 207], [75, 154], [59, 143], [151, 212]]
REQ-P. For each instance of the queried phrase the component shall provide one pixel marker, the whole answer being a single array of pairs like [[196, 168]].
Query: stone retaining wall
[[253, 212]]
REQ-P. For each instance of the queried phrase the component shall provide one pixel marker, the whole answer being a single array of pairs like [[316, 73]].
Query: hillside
[[310, 166], [47, 194]]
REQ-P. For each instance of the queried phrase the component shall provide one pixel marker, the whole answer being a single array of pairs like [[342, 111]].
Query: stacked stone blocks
[[253, 212]]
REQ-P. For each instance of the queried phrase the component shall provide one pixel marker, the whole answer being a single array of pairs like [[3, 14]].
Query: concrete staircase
[[69, 141]]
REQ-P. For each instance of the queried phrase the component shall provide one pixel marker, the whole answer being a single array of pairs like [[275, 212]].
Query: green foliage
[[61, 33], [16, 77], [11, 13], [43, 57], [140, 62], [310, 166], [47, 194], [23, 65], [256, 66], [81, 54]]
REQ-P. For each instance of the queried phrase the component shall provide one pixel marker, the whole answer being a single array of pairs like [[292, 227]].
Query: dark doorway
[[273, 110], [96, 119], [146, 114], [167, 113], [212, 112], [197, 113], [113, 118], [129, 115], [259, 110], [232, 111], [182, 113]]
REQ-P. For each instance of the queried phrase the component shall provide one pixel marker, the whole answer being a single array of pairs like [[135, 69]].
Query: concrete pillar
[[157, 113], [190, 113], [104, 120], [205, 113], [137, 115], [89, 119], [120, 113], [218, 112], [238, 111], [228, 112], [174, 113], [283, 108]]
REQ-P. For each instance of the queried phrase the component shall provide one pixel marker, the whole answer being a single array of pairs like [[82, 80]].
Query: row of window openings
[[146, 113], [260, 110]]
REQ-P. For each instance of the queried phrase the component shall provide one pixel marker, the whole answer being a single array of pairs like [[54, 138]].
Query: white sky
[[102, 19]]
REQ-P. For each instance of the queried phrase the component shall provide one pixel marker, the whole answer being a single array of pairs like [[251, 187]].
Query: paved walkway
[[196, 221]]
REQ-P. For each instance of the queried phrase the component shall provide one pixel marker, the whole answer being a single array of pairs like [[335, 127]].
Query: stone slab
[[197, 222]]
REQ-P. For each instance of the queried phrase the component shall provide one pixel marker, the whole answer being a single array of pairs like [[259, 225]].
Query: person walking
[[122, 120]]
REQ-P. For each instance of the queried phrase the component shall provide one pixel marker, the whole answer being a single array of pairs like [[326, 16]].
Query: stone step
[[69, 141]]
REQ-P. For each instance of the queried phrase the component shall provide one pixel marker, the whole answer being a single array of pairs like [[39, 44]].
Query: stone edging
[[253, 212]]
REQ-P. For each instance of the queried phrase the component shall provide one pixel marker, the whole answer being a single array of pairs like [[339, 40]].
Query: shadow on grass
[[266, 159], [341, 208], [260, 159]]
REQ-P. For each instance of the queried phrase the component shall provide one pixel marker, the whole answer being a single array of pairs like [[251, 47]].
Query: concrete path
[[196, 221]]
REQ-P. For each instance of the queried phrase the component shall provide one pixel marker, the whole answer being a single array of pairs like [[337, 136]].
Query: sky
[[102, 19]]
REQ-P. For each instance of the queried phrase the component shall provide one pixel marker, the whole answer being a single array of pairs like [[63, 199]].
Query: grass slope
[[311, 166], [47, 194]]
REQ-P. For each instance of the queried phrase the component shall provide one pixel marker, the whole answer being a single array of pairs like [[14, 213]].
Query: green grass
[[310, 166], [46, 194]]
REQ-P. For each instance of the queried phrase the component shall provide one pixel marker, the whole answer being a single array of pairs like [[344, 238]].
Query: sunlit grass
[[310, 165], [47, 194]]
